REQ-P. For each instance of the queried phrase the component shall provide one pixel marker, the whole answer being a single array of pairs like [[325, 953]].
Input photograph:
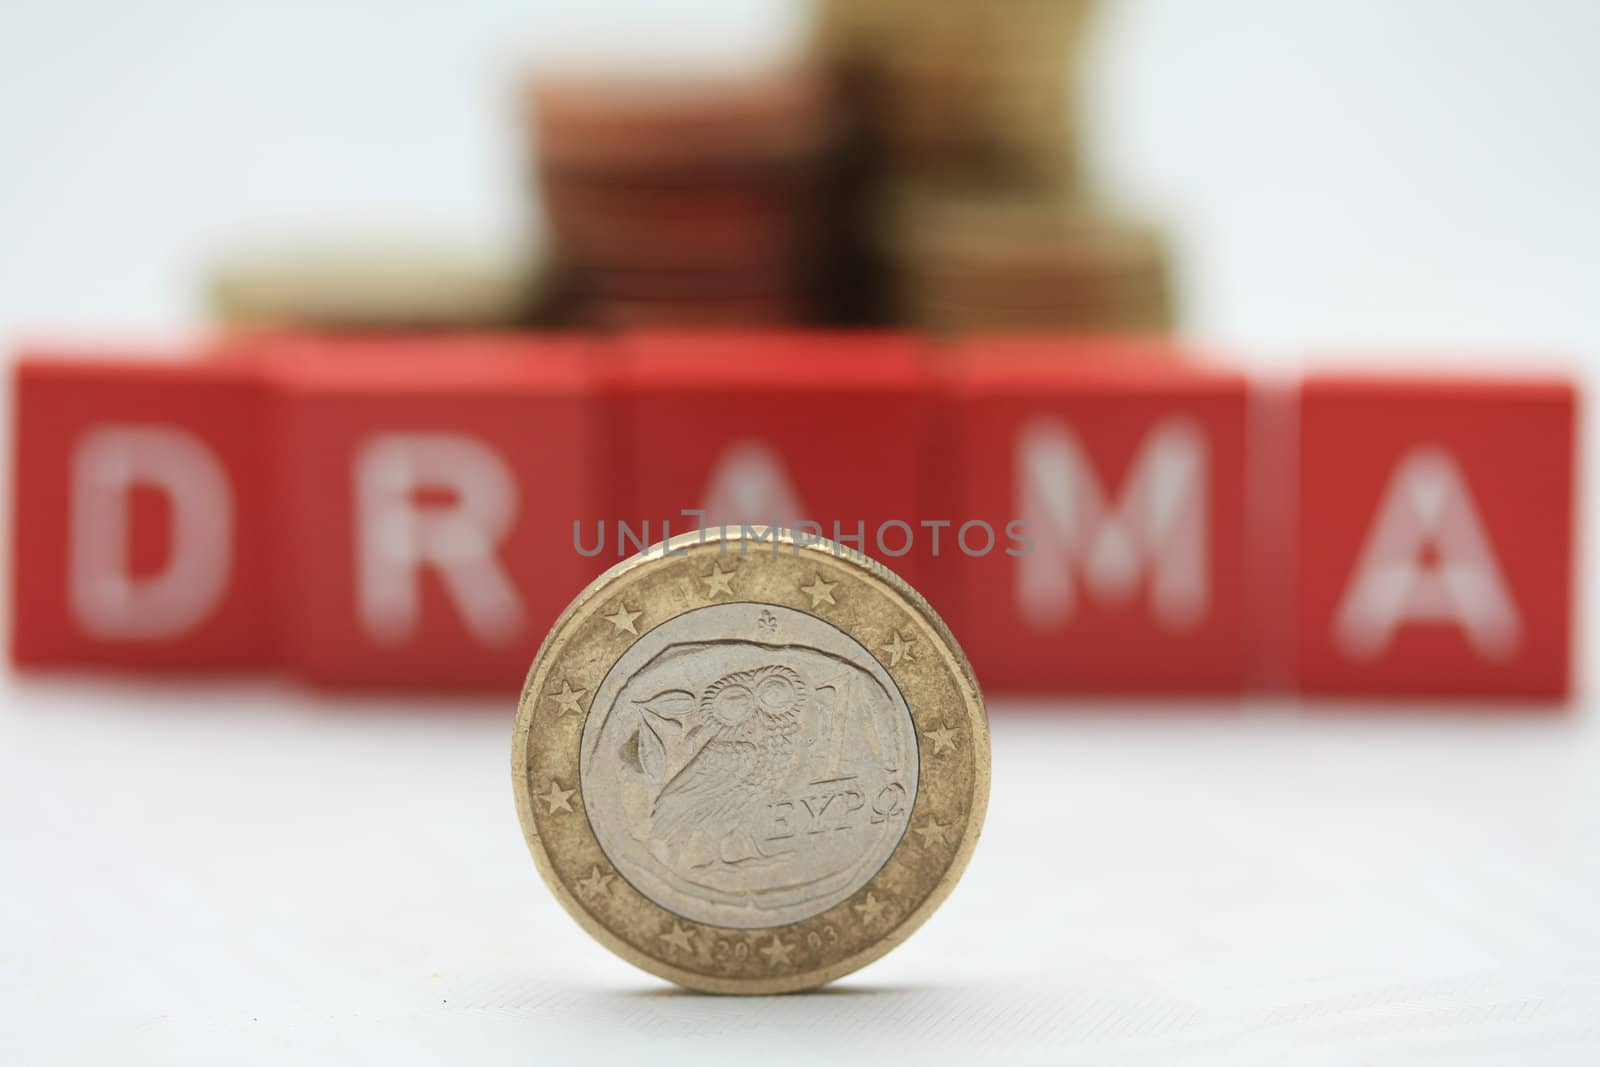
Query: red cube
[[141, 522], [1435, 544], [1100, 517], [427, 491], [825, 432]]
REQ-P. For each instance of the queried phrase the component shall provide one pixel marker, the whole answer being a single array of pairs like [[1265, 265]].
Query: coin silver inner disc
[[748, 765]]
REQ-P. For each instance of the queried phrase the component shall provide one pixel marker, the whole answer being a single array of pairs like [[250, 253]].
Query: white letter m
[[1159, 523]]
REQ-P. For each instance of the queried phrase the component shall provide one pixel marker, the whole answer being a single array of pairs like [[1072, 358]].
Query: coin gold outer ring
[[856, 595]]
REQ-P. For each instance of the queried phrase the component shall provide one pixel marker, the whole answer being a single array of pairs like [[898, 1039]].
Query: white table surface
[[244, 866]]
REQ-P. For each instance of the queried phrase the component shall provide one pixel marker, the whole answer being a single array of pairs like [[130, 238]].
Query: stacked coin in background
[[686, 200], [921, 169], [984, 259], [973, 198], [962, 85], [369, 284]]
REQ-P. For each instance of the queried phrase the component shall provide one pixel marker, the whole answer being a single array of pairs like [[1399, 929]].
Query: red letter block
[[779, 429], [140, 515], [1119, 474], [1435, 537], [428, 491]]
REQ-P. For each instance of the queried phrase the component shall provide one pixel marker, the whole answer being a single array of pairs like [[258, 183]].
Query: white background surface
[[243, 872]]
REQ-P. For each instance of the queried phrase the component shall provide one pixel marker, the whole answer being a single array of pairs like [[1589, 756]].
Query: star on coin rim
[[627, 909]]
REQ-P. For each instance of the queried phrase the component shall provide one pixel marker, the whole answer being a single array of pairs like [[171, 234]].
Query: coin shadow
[[844, 1011], [834, 991], [833, 1023]]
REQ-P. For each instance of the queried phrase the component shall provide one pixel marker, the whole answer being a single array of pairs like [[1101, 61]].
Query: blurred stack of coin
[[963, 86], [369, 285], [967, 259], [976, 204], [685, 200]]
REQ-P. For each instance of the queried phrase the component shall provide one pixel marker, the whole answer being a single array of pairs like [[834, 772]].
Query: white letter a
[[750, 485], [1427, 559]]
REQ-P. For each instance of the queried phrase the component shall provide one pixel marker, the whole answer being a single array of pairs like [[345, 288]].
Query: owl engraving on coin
[[745, 724], [748, 765]]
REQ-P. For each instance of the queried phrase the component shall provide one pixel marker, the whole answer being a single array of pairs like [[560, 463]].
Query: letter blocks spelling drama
[[142, 514], [824, 433], [1089, 516], [426, 491], [1125, 471], [1435, 527]]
